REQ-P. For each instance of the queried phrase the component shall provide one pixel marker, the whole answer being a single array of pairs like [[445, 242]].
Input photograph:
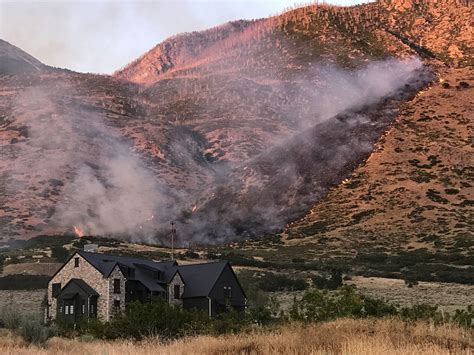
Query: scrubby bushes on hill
[[29, 326], [316, 306], [60, 253], [319, 305], [273, 282], [159, 319], [24, 282]]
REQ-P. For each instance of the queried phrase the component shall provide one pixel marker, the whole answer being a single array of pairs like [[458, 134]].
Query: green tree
[[60, 253]]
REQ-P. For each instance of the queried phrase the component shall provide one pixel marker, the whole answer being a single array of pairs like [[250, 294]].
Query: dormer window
[[76, 262]]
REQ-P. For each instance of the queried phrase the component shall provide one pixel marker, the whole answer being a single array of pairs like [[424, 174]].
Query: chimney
[[91, 248]]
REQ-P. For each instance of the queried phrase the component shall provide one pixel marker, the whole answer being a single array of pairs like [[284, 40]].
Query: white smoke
[[108, 189]]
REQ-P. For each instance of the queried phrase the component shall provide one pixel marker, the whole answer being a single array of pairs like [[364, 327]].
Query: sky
[[102, 36]]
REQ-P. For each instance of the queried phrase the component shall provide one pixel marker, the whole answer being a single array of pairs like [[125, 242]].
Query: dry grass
[[31, 268], [447, 296], [345, 336]]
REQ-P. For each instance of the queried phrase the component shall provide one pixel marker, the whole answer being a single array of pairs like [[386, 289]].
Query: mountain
[[237, 130], [416, 189], [14, 60], [292, 42]]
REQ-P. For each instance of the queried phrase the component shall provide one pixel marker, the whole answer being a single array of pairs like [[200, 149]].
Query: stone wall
[[111, 296], [177, 280], [90, 275]]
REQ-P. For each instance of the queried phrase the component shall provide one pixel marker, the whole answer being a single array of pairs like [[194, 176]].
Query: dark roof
[[81, 284], [199, 279], [145, 271]]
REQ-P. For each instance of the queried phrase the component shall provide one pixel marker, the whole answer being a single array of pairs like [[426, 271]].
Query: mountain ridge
[[191, 121]]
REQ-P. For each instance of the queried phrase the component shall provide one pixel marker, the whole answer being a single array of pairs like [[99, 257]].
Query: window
[[76, 262], [177, 291], [227, 291], [116, 306], [56, 289], [66, 309], [71, 309], [83, 307], [116, 285]]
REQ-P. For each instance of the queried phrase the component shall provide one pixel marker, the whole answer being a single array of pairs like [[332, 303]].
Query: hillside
[[415, 191], [239, 129], [294, 41], [14, 60]]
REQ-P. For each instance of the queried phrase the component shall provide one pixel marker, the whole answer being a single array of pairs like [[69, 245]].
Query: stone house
[[99, 285]]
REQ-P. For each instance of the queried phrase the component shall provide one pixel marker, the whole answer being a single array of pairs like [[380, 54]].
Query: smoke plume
[[99, 181]]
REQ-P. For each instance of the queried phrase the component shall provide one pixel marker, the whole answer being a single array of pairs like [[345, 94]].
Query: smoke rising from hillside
[[334, 132], [349, 90], [106, 188]]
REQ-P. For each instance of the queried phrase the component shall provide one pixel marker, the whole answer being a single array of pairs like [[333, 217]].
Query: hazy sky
[[102, 36]]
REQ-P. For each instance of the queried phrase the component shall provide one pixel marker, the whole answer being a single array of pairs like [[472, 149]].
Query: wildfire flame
[[79, 232]]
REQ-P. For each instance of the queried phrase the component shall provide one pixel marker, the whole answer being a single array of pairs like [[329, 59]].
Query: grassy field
[[447, 296], [345, 336]]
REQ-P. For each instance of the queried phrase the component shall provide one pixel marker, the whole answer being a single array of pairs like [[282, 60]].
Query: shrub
[[44, 241], [316, 306], [28, 326], [272, 282], [297, 260], [410, 281], [60, 253], [191, 254], [156, 318], [232, 322], [378, 308], [24, 282], [333, 283], [464, 318], [33, 331], [10, 318], [421, 312]]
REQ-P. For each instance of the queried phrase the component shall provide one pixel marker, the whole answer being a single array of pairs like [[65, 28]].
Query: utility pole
[[173, 232]]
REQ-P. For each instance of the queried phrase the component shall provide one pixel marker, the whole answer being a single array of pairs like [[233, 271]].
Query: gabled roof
[[106, 262], [81, 284], [143, 269], [199, 279]]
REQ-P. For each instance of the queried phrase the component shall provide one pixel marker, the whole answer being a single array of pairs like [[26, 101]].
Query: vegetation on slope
[[157, 322]]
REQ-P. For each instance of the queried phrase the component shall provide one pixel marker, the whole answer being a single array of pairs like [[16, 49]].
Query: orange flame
[[79, 232]]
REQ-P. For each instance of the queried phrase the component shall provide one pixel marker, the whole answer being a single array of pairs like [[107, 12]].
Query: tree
[[59, 253]]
